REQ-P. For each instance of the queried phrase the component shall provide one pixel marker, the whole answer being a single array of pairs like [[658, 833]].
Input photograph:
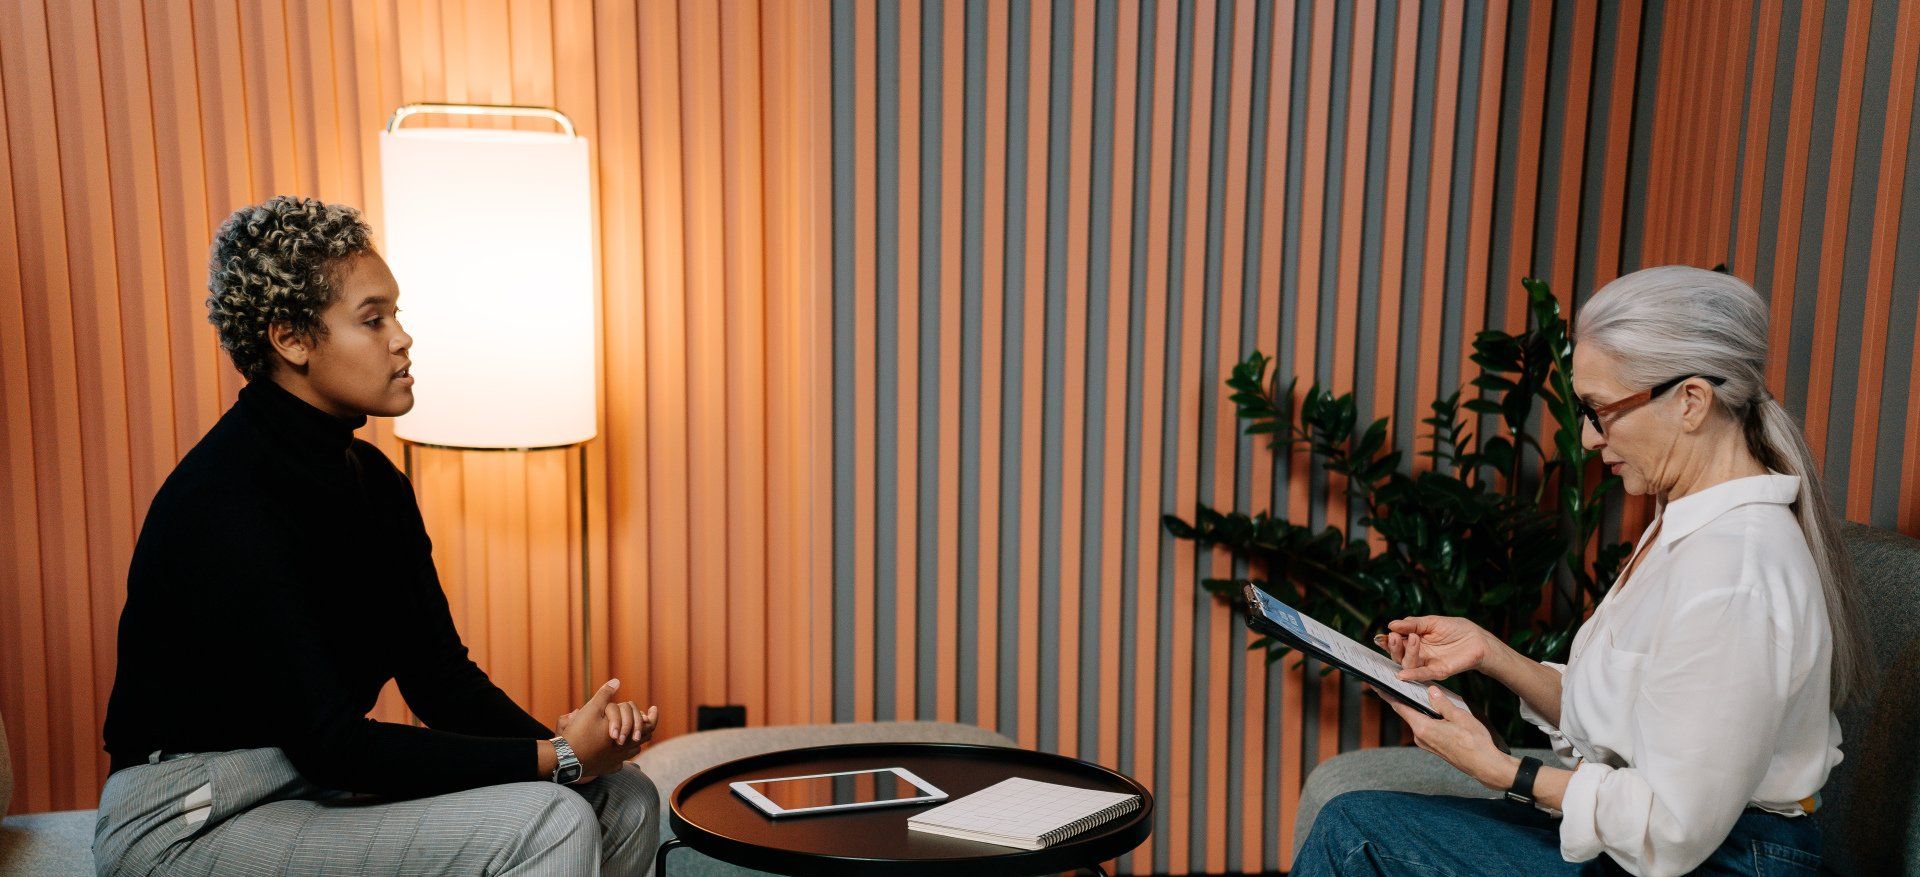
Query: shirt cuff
[[1579, 828], [1561, 745]]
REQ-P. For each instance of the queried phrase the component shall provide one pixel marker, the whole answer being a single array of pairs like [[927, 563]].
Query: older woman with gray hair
[[1695, 712]]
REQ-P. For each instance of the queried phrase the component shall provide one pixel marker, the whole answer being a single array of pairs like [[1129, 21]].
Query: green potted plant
[[1469, 537]]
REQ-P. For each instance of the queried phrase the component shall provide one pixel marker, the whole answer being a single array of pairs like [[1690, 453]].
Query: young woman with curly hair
[[282, 577]]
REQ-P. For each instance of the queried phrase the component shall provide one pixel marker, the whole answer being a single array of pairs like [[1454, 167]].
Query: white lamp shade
[[489, 234]]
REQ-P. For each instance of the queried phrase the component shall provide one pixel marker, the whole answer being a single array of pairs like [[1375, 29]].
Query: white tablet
[[834, 792]]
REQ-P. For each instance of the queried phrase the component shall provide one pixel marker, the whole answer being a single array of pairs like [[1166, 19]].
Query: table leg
[[660, 858]]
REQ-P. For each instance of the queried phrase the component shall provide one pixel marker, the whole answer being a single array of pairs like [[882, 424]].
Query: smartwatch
[[1522, 790], [566, 771]]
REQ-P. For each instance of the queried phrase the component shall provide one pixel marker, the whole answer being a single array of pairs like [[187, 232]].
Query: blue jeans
[[1402, 833]]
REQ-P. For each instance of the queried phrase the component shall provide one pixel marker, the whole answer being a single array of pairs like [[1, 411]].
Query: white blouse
[[1700, 685]]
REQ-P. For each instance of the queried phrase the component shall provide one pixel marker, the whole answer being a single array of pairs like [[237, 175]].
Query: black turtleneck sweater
[[282, 577]]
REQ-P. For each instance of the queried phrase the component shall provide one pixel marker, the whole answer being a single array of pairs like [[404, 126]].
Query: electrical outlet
[[729, 716]]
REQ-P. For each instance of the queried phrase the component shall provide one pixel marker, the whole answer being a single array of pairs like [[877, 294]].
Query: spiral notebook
[[1024, 813]]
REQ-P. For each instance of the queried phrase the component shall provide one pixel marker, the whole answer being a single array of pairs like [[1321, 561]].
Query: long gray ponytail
[[1673, 320]]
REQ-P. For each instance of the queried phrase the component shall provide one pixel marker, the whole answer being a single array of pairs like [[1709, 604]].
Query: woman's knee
[[631, 797], [1350, 816], [554, 831], [561, 805]]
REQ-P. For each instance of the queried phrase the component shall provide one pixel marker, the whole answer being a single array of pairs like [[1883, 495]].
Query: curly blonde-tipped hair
[[274, 263]]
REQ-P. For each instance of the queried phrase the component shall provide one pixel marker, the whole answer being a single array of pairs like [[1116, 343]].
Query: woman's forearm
[[1550, 787], [1537, 684], [546, 759]]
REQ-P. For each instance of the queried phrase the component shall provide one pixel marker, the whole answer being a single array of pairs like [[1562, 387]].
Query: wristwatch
[[567, 771], [1522, 791]]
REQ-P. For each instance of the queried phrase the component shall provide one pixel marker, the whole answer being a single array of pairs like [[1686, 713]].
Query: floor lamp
[[489, 232]]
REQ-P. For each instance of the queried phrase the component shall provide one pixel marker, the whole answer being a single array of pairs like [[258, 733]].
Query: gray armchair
[[1868, 813], [41, 844]]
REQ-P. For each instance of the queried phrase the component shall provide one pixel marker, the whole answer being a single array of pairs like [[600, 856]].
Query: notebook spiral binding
[[1115, 811]]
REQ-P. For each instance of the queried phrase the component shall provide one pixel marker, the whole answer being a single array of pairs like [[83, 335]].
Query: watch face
[[569, 774]]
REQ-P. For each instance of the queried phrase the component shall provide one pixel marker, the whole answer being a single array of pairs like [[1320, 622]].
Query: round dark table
[[706, 815]]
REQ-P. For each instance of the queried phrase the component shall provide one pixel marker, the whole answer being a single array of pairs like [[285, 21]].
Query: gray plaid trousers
[[248, 812]]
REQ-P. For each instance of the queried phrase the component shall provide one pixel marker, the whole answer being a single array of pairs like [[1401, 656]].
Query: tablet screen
[[853, 788]]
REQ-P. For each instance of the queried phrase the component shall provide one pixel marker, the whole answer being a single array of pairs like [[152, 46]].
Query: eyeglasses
[[1611, 411]]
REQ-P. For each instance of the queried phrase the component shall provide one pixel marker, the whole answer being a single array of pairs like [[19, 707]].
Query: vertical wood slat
[[506, 553], [1346, 324], [1659, 187], [816, 137], [24, 696], [1486, 143], [456, 55], [1352, 207], [1148, 685], [134, 176], [1703, 56], [1433, 273], [743, 246], [1033, 324], [864, 580], [1731, 76], [183, 195], [46, 286], [1307, 355], [1406, 42], [104, 450], [1226, 439], [1227, 443], [705, 364], [1753, 161], [1565, 247], [627, 394], [953, 32], [1895, 141], [906, 480], [1833, 243], [1661, 231], [1312, 210], [571, 55], [551, 643], [786, 601], [993, 244], [1626, 60], [1120, 324], [1072, 440], [1793, 185], [1267, 337], [1186, 559], [474, 471], [1393, 235], [1696, 50]]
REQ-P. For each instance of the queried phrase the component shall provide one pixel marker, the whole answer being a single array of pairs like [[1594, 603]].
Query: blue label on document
[[1287, 617]]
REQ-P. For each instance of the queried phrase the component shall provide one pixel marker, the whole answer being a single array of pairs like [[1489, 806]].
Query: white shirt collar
[[1691, 512]]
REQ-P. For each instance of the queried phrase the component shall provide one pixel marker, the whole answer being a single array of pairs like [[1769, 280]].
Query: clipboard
[[1269, 616]]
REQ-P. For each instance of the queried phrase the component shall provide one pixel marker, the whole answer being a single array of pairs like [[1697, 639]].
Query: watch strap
[[566, 770], [1522, 789]]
